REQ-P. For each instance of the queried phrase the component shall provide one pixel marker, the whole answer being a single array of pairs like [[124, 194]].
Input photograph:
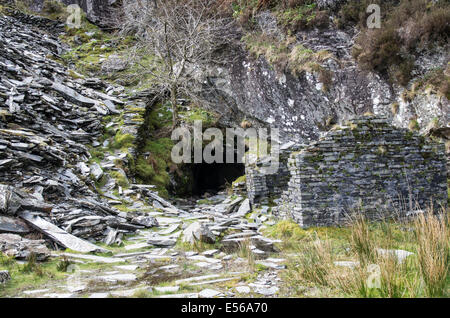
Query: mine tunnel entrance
[[214, 177], [202, 177]]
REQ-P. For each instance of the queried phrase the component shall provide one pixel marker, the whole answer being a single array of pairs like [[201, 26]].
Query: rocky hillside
[[85, 146], [65, 143], [302, 66], [51, 122], [305, 65]]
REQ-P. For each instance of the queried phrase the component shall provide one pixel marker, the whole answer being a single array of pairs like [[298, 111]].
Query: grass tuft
[[362, 242], [432, 235], [245, 252]]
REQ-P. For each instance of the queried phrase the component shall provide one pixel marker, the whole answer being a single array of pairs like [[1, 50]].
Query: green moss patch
[[122, 141], [239, 180], [302, 17], [154, 164], [286, 55], [31, 275], [196, 113], [159, 117]]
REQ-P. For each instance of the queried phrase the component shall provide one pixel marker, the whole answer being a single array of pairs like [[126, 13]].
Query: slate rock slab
[[117, 278], [162, 241], [60, 236], [198, 232], [243, 289], [9, 200], [147, 221], [13, 225], [243, 209], [209, 293], [21, 248], [4, 277], [400, 255], [72, 95]]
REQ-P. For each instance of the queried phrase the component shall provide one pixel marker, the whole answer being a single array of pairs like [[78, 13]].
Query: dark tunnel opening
[[214, 177]]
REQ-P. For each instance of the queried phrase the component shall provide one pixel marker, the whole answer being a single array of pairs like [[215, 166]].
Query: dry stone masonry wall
[[367, 166], [262, 187]]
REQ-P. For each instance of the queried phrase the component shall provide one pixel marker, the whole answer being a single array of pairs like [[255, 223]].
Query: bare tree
[[184, 36]]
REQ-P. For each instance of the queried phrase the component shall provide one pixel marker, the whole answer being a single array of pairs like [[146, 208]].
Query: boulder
[[114, 63], [198, 232], [265, 244], [83, 169], [147, 221], [111, 236], [96, 171], [21, 248], [13, 225], [9, 201], [4, 277], [232, 244]]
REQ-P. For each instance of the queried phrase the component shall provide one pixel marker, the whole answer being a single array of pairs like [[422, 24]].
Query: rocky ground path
[[156, 263]]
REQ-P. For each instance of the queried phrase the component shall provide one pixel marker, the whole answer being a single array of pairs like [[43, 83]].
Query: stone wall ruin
[[366, 166], [262, 187]]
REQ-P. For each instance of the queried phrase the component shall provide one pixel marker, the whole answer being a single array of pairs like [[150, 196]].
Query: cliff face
[[98, 11], [300, 105], [304, 104]]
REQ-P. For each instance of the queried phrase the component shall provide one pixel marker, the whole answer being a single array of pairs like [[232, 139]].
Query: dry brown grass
[[245, 252], [361, 240], [408, 25], [287, 56], [432, 235], [397, 280], [378, 273], [312, 263]]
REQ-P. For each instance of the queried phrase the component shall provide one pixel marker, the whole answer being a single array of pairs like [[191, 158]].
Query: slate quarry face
[[47, 121], [367, 167]]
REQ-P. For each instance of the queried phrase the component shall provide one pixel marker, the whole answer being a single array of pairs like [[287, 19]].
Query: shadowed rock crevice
[[215, 176]]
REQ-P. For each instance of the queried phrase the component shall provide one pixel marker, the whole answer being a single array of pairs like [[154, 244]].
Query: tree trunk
[[173, 97]]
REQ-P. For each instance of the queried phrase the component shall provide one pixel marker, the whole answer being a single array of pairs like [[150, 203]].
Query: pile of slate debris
[[47, 119]]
